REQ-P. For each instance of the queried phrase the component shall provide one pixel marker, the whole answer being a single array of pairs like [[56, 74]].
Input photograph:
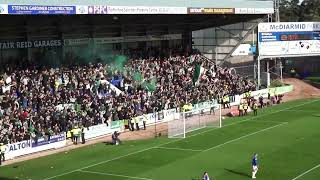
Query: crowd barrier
[[58, 141], [32, 146]]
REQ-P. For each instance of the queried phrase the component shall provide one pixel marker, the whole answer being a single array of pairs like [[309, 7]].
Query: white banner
[[262, 92], [98, 130], [263, 10], [76, 42], [289, 26], [81, 9], [254, 11], [84, 41], [18, 149], [145, 10], [3, 9], [169, 114], [127, 39]]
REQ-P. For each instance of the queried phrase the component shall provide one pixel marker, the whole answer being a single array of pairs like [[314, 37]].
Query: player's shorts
[[255, 168]]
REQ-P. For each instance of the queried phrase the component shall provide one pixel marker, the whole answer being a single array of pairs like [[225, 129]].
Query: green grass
[[286, 137], [314, 79]]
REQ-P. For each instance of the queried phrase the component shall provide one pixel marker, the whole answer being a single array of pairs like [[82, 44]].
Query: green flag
[[152, 86], [31, 127], [197, 73]]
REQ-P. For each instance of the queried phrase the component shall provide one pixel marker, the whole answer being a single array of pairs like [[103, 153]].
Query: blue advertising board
[[288, 36], [53, 139], [39, 9]]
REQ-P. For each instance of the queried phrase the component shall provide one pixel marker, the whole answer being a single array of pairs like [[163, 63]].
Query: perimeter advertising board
[[3, 9], [30, 146], [110, 9], [135, 10], [39, 9], [289, 39], [211, 10]]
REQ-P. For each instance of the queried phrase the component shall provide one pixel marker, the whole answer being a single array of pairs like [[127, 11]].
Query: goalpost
[[198, 118]]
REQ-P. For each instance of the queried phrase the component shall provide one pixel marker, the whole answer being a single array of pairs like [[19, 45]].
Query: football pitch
[[286, 137]]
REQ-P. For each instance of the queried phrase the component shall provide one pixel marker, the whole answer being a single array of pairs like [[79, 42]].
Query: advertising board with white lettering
[[17, 149], [30, 44], [254, 10], [100, 130], [289, 39], [135, 10], [211, 10], [39, 9], [53, 139], [84, 41]]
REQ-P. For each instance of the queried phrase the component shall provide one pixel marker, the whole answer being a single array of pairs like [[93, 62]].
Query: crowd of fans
[[39, 102]]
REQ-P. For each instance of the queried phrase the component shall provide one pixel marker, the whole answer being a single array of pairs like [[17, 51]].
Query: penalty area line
[[306, 172], [146, 149], [115, 175], [264, 121], [179, 149], [303, 111], [228, 142]]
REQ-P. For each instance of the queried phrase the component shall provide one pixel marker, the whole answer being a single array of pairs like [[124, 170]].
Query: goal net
[[197, 118]]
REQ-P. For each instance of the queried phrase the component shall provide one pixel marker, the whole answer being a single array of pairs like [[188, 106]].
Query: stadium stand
[[41, 101]]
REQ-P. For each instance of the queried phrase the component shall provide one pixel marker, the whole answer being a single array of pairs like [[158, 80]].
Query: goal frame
[[198, 111]]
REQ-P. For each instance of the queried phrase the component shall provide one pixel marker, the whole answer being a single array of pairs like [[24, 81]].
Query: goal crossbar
[[198, 118]]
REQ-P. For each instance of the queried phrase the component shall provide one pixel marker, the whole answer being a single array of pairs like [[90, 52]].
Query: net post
[[220, 120], [155, 122], [184, 124]]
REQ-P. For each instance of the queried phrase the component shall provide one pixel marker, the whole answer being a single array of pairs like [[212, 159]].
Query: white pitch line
[[306, 172], [304, 111], [102, 162], [249, 119], [228, 142], [179, 149], [117, 175], [267, 114], [136, 152], [262, 121]]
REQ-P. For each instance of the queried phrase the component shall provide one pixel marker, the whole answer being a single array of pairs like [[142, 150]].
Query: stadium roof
[[162, 3], [123, 17]]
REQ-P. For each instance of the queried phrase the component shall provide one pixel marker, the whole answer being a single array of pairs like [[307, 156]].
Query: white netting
[[198, 118]]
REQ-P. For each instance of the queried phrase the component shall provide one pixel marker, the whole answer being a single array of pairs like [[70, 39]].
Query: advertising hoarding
[[30, 146], [211, 10], [135, 10], [53, 139], [3, 9], [289, 39], [109, 9], [39, 9], [254, 10]]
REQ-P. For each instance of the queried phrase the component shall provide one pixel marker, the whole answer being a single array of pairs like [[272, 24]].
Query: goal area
[[198, 118]]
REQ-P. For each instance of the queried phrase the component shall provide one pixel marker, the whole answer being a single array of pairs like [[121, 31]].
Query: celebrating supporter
[[42, 102]]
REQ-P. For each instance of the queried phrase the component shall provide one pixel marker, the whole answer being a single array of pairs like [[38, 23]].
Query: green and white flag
[[197, 73]]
